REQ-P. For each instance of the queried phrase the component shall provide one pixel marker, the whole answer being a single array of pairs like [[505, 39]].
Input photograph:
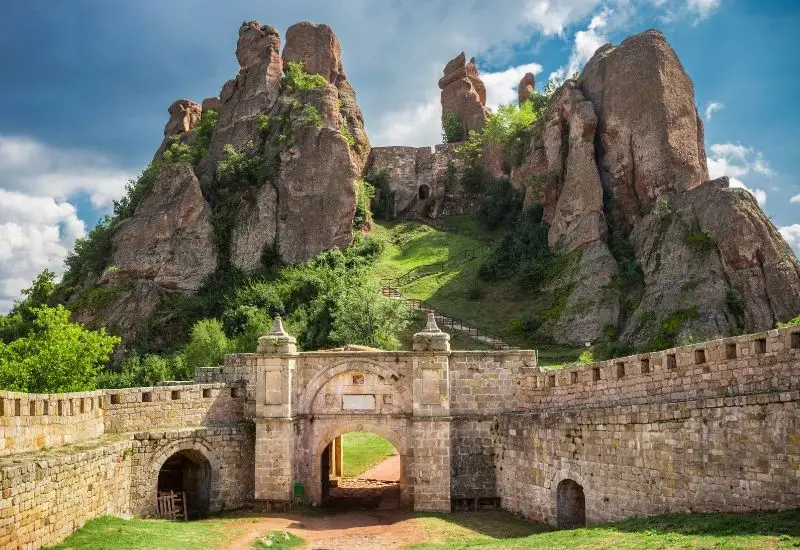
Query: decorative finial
[[432, 326], [431, 338], [277, 340]]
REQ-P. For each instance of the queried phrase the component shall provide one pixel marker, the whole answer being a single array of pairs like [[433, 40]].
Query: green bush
[[344, 129], [177, 151], [299, 80], [668, 329], [363, 215], [474, 175], [361, 315], [790, 323], [57, 355], [207, 344], [202, 134], [92, 253], [510, 128], [501, 206], [309, 116], [521, 251], [452, 131], [383, 203], [144, 371]]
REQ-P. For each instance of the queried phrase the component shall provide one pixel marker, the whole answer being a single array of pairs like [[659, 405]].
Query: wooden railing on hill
[[445, 321]]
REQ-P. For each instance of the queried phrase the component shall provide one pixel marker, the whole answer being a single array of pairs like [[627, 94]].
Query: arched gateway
[[303, 407]]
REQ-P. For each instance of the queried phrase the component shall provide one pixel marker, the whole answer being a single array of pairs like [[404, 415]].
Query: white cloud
[[502, 86], [792, 235], [35, 233], [32, 167], [702, 8], [736, 161], [416, 125], [712, 107], [795, 199]]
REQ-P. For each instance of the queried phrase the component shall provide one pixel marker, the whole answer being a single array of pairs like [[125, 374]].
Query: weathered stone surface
[[317, 195], [650, 133], [255, 229], [578, 218], [211, 103], [256, 44], [183, 116], [464, 93], [526, 87], [169, 240], [685, 277], [317, 47]]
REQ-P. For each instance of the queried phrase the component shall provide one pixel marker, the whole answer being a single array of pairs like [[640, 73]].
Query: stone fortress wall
[[707, 427]]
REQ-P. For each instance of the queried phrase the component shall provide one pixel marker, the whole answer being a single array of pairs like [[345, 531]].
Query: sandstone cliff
[[271, 177], [619, 166], [464, 93]]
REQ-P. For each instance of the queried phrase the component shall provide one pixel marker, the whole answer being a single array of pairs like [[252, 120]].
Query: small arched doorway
[[187, 475], [570, 505], [361, 470], [424, 192]]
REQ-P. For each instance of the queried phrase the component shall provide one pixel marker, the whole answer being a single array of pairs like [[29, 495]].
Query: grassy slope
[[458, 292], [362, 451], [718, 531]]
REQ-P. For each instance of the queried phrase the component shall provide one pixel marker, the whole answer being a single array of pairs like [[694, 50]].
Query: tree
[[361, 315], [19, 320], [207, 345], [452, 130], [57, 355]]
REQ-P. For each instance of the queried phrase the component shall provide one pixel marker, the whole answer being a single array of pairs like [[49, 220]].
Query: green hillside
[[500, 308]]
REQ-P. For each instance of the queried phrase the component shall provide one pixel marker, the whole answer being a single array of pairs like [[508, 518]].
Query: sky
[[86, 86]]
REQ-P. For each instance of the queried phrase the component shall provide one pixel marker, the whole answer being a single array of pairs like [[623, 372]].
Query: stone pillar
[[274, 452], [431, 419]]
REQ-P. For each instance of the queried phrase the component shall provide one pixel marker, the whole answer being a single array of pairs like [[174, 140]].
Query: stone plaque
[[272, 386], [358, 401]]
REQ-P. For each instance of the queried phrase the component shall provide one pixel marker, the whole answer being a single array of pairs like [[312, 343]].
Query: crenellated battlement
[[754, 363]]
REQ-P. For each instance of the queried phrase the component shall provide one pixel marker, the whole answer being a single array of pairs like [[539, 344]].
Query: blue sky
[[86, 86]]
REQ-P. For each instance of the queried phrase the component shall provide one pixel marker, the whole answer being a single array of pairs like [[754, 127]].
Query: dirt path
[[388, 470], [378, 529]]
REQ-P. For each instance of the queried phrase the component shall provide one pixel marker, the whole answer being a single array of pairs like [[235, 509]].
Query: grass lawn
[[148, 534], [717, 531], [362, 451]]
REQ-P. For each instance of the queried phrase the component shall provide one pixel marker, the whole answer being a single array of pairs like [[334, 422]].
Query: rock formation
[[622, 147], [192, 222], [464, 93], [526, 87]]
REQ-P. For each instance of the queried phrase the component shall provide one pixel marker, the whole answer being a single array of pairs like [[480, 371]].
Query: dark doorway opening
[[360, 470], [424, 192], [570, 505], [187, 476]]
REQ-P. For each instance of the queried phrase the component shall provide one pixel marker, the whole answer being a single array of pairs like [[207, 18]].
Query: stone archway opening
[[186, 476], [424, 192], [361, 470], [570, 505]]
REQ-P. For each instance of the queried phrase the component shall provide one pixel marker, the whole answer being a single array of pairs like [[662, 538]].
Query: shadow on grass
[[718, 524]]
